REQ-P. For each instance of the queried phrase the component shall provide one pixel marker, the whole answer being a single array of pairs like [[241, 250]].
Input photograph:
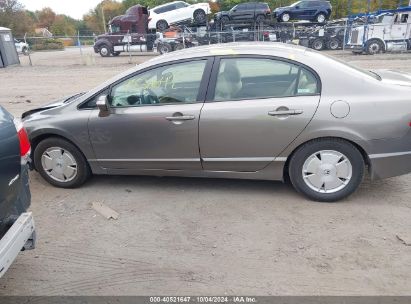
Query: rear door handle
[[180, 118], [285, 112]]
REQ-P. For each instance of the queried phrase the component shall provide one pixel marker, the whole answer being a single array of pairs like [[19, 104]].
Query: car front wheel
[[326, 170], [104, 51], [285, 17], [61, 163], [320, 18]]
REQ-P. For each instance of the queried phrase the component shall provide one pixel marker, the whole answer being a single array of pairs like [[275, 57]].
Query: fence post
[[79, 43], [25, 41], [128, 45]]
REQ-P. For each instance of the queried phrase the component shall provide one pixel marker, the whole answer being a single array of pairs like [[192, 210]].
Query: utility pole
[[104, 19]]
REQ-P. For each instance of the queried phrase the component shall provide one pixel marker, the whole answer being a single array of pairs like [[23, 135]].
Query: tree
[[13, 16], [94, 19], [63, 26], [46, 17]]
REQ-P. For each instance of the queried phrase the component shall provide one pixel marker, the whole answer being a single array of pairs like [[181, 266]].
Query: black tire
[[164, 48], [115, 54], [199, 16], [104, 50], [321, 18], [285, 17], [178, 46], [333, 44], [25, 51], [308, 149], [224, 19], [162, 25], [83, 169], [260, 19], [374, 47], [318, 44]]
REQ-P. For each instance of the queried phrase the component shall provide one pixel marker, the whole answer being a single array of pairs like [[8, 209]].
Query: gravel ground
[[201, 236]]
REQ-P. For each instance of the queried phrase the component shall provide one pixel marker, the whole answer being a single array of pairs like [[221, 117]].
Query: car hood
[[393, 77], [282, 8], [54, 104]]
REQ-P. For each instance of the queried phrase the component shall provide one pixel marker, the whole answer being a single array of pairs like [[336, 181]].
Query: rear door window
[[255, 78]]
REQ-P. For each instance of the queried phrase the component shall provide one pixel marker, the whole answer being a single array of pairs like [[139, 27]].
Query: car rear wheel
[[104, 51], [199, 16], [285, 17], [326, 170], [162, 25], [25, 51], [224, 19], [61, 163], [320, 18]]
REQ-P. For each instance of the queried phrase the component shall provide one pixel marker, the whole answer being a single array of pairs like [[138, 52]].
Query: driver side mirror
[[297, 7], [103, 105]]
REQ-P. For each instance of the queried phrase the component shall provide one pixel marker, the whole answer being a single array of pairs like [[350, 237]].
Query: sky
[[73, 8]]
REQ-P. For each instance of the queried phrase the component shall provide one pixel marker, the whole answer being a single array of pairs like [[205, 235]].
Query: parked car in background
[[16, 225], [21, 47], [250, 11], [243, 110], [313, 10], [175, 12]]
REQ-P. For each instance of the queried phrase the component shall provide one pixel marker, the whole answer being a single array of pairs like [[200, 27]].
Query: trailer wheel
[[162, 25], [285, 17], [333, 44], [317, 44], [374, 47], [199, 16], [164, 48], [260, 19], [104, 51]]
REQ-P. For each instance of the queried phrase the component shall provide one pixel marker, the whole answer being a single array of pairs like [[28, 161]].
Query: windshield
[[295, 4], [366, 72]]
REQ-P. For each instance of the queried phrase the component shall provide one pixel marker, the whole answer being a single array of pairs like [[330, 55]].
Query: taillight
[[25, 148]]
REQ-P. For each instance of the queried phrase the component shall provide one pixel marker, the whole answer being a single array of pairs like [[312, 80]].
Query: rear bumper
[[390, 164], [20, 236]]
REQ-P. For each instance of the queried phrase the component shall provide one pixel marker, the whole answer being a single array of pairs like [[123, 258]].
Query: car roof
[[168, 3], [233, 48]]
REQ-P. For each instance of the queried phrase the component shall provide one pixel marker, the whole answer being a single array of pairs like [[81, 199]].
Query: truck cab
[[127, 32], [391, 32]]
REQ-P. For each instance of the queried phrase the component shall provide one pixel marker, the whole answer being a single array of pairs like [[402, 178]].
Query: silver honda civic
[[243, 110]]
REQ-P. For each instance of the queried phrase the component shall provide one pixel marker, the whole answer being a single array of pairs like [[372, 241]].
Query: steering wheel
[[149, 97]]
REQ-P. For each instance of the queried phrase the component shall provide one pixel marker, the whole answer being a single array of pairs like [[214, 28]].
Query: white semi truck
[[390, 33]]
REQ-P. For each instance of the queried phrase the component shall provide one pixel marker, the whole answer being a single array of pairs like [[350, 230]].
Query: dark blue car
[[16, 224], [313, 10]]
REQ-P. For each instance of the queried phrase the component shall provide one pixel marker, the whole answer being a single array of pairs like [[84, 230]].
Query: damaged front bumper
[[20, 236]]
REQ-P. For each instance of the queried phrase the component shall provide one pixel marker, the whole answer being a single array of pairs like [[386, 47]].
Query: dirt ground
[[185, 236]]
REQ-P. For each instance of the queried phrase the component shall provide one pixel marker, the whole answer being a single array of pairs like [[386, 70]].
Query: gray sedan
[[250, 110]]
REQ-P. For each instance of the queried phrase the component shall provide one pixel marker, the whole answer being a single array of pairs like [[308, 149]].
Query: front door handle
[[285, 112]]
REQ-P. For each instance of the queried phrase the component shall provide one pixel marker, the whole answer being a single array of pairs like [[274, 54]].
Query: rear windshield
[[365, 72]]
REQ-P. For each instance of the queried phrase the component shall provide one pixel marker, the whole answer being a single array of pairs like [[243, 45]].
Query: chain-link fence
[[360, 37]]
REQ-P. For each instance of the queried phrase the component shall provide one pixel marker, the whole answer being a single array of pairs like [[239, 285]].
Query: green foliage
[[46, 44]]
